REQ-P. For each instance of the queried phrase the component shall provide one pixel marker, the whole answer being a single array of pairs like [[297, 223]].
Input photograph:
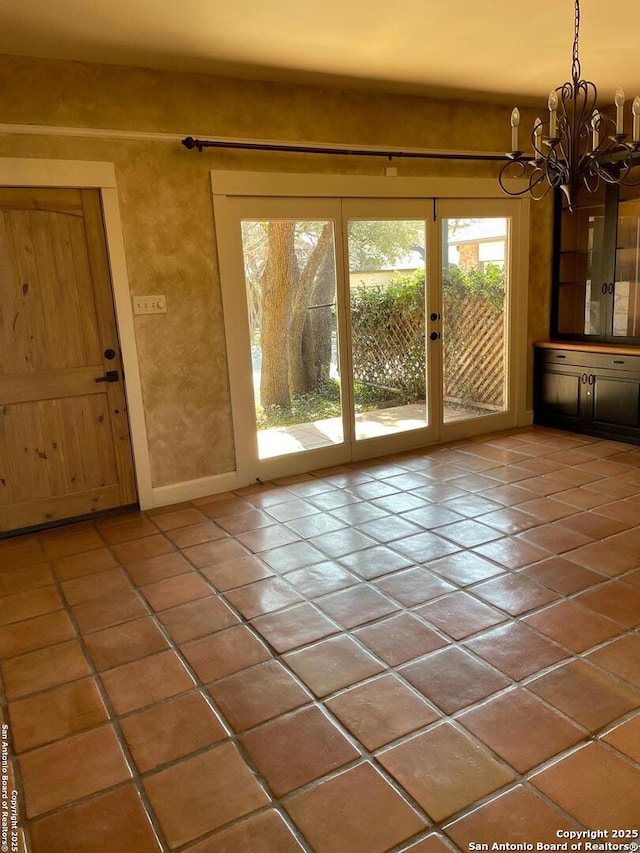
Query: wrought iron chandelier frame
[[579, 146]]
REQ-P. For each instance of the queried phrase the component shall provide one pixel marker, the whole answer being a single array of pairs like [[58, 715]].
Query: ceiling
[[510, 51]]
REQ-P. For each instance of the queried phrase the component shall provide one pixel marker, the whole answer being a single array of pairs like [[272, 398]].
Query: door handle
[[434, 336], [110, 376]]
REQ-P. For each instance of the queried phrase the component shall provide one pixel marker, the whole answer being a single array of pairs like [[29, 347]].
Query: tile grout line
[[348, 632], [114, 720]]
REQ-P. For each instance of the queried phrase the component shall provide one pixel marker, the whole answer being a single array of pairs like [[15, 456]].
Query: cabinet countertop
[[589, 347]]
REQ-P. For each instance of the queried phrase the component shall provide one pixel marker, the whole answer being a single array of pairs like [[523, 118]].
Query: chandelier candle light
[[578, 146]]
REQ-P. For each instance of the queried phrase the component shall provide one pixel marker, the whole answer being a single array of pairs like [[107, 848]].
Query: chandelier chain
[[576, 71]]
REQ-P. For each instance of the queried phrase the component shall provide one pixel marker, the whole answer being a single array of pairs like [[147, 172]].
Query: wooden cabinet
[[591, 390], [596, 295], [588, 378]]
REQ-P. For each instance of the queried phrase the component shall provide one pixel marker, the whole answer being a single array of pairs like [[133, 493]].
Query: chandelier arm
[[539, 181], [591, 181], [517, 169], [626, 164], [513, 169], [554, 166], [561, 154]]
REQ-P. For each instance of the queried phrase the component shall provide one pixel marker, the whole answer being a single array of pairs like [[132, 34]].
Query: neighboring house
[[474, 244], [478, 243]]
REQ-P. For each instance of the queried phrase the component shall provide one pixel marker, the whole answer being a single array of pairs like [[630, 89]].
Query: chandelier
[[578, 146]]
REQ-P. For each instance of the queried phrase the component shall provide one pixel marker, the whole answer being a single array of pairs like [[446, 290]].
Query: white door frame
[[229, 213], [83, 174], [387, 209], [228, 186], [515, 312]]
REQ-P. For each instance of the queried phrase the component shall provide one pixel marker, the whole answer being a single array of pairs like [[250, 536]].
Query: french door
[[362, 326]]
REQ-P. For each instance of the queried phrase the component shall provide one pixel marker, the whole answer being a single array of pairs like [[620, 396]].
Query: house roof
[[478, 231], [509, 52]]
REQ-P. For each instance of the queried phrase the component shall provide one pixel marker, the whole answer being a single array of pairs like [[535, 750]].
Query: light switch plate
[[149, 304]]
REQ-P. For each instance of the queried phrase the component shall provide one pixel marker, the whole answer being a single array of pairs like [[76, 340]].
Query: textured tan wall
[[166, 206]]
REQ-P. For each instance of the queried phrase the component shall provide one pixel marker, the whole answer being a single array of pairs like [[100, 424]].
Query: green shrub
[[462, 284]]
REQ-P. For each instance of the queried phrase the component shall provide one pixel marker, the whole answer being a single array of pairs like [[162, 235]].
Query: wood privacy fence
[[389, 353], [473, 346]]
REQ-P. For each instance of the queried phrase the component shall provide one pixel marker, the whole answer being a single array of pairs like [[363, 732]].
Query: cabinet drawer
[[610, 361], [560, 357], [591, 360]]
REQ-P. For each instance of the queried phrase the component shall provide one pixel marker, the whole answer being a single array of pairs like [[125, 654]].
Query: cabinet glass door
[[626, 293], [581, 302]]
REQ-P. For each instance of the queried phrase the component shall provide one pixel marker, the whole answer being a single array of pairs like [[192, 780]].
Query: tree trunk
[[279, 281], [318, 328], [297, 372]]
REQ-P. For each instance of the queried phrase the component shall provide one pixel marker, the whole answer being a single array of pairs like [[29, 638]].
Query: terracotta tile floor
[[414, 653]]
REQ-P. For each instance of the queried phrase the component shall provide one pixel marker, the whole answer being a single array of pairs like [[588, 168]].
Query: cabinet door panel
[[626, 296], [560, 395], [616, 401]]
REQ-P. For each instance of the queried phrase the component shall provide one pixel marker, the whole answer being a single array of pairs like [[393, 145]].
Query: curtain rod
[[241, 144], [190, 143]]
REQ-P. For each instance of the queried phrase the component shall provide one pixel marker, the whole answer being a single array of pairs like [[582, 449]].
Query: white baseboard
[[200, 488], [190, 489]]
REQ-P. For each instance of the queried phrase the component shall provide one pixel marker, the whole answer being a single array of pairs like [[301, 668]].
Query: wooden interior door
[[64, 435]]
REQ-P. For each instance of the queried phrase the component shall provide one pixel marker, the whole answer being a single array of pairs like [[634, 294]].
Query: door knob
[[435, 317], [434, 336]]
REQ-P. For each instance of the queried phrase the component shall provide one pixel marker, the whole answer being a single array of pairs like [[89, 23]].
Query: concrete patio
[[279, 441]]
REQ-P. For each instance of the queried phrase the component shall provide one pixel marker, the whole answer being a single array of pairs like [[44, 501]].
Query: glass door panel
[[475, 280], [290, 278], [387, 273], [581, 274], [626, 295]]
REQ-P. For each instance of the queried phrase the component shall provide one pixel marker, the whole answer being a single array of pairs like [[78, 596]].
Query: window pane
[[291, 295], [473, 319], [387, 293]]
